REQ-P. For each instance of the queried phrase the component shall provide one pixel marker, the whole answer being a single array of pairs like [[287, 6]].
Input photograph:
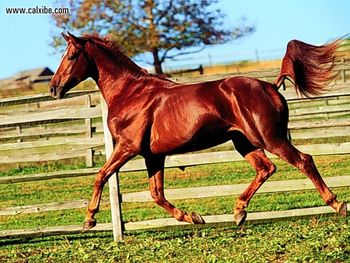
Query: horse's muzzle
[[56, 92], [53, 91]]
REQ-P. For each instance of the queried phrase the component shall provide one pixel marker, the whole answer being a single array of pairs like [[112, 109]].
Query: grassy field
[[315, 239]]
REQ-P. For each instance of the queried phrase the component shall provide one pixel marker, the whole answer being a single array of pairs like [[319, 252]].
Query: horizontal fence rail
[[171, 223], [185, 193]]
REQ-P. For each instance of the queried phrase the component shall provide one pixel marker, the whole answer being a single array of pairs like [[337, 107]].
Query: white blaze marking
[[64, 54]]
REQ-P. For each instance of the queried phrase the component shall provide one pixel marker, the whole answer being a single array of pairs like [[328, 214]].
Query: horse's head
[[73, 69]]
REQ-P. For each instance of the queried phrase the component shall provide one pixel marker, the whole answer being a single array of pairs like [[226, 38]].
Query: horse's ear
[[77, 41], [65, 36]]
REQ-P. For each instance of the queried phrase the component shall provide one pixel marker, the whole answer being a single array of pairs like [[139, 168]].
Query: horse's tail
[[308, 67]]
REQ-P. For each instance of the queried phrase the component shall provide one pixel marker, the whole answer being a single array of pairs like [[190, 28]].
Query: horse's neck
[[113, 79], [113, 86]]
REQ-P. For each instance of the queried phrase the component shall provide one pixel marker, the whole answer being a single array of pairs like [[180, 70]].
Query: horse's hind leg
[[304, 162], [264, 169], [155, 167]]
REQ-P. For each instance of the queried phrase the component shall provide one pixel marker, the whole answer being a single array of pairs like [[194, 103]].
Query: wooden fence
[[326, 116], [73, 127], [41, 134]]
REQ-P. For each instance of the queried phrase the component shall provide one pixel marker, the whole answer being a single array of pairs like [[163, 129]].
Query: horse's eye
[[72, 57]]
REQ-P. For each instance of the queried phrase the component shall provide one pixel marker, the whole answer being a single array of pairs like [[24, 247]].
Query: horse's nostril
[[52, 90]]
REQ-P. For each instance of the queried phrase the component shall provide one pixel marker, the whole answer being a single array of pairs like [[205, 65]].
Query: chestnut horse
[[152, 116]]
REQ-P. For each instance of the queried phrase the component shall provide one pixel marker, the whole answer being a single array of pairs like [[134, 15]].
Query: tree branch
[[172, 57], [164, 12], [143, 60]]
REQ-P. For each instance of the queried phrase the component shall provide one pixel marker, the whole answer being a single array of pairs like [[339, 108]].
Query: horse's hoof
[[240, 217], [342, 209], [88, 224], [196, 218]]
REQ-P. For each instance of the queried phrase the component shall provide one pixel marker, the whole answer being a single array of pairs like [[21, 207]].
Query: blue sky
[[25, 38]]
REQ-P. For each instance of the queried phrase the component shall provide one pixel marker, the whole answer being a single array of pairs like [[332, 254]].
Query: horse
[[152, 116]]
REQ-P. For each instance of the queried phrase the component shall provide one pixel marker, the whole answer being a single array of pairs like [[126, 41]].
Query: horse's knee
[[265, 170], [269, 170], [262, 164], [306, 158], [306, 163]]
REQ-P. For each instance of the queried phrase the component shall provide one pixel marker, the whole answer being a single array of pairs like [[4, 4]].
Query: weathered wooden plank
[[41, 134], [316, 133], [168, 223], [326, 115], [67, 129], [41, 208], [76, 102], [51, 116], [319, 110], [237, 189], [336, 92], [307, 124], [294, 108], [52, 231], [48, 176], [186, 193], [227, 220], [87, 142], [39, 98], [43, 157], [325, 149], [174, 161]]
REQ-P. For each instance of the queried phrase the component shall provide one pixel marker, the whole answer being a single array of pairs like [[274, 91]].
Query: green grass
[[314, 240], [317, 240]]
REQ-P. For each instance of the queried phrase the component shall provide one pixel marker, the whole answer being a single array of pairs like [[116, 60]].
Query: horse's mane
[[117, 53], [113, 47]]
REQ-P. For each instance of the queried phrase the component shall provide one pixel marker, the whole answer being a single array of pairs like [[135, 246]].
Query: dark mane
[[112, 46], [116, 52]]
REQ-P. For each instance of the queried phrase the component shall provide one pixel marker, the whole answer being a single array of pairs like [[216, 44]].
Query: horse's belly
[[181, 138]]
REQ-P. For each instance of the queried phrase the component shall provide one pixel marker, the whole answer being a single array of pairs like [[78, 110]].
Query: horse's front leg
[[155, 167], [121, 154]]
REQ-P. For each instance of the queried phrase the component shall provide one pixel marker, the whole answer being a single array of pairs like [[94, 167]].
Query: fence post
[[19, 131], [113, 182], [343, 72], [89, 159]]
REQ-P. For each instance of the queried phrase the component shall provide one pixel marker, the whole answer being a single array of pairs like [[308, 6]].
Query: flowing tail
[[308, 67]]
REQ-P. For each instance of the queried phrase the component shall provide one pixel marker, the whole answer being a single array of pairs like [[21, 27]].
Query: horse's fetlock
[[179, 215]]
